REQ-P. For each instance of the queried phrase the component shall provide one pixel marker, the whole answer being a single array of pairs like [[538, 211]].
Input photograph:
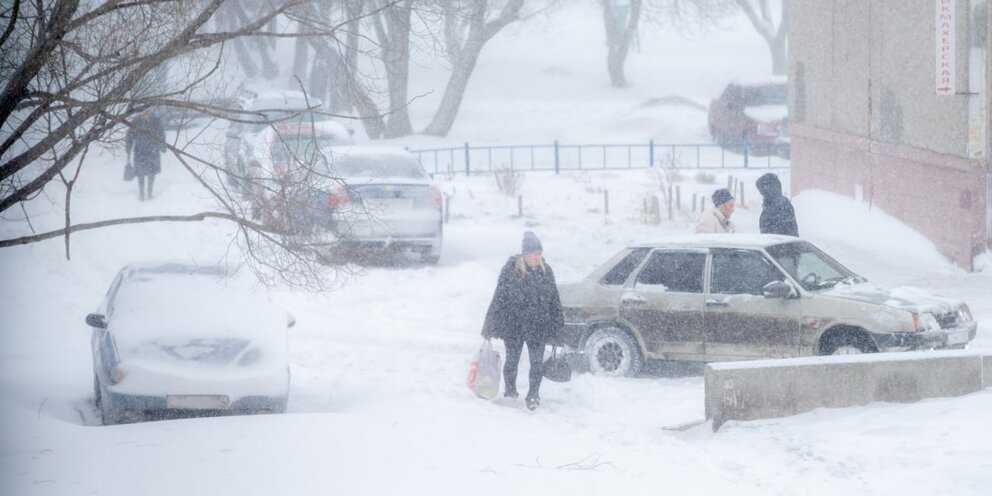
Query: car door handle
[[633, 300], [714, 303]]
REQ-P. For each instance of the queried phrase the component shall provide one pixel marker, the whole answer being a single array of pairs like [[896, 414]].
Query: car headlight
[[964, 313]]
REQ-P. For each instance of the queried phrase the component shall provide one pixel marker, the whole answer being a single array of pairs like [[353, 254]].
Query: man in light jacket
[[717, 219]]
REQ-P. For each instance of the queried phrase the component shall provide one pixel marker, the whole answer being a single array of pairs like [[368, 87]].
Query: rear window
[[379, 166], [765, 95], [621, 271]]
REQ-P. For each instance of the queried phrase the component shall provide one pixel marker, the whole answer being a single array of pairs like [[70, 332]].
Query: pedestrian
[[777, 214], [717, 219], [525, 308], [145, 142]]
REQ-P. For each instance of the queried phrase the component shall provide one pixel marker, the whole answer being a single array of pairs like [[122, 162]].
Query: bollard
[[678, 198], [693, 203], [669, 202], [520, 205], [655, 210], [447, 209], [606, 202]]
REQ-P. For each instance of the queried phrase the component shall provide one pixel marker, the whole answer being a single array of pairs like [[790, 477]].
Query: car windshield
[[273, 117], [813, 269], [766, 95], [297, 148], [379, 166]]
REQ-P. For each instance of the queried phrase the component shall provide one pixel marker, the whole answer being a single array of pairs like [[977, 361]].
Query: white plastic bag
[[485, 371]]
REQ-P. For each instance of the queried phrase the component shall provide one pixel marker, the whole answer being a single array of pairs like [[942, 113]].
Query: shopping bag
[[556, 367], [485, 371], [128, 172]]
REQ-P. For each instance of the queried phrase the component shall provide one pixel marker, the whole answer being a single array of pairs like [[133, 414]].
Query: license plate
[[958, 337], [196, 402]]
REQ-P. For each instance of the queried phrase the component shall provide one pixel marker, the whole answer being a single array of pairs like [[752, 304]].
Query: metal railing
[[559, 157]]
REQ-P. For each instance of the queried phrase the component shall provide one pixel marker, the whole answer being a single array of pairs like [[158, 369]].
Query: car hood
[[906, 298]]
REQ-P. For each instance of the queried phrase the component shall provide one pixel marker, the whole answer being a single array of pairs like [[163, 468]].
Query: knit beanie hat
[[721, 196], [530, 243]]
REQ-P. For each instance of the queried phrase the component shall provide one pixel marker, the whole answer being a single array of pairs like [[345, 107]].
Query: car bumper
[[127, 406], [956, 337]]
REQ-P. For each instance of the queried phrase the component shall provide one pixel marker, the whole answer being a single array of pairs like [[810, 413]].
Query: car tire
[[848, 344], [612, 352]]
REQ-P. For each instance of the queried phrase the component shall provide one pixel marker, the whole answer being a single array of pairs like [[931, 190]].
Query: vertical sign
[[944, 47]]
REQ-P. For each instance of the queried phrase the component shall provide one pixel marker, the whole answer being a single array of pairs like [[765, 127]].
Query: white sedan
[[178, 339]]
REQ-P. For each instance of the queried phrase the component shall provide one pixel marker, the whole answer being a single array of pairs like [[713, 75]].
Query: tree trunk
[[395, 40], [761, 18], [479, 33], [619, 34]]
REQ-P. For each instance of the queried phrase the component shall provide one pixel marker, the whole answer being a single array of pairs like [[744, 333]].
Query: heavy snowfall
[[378, 402]]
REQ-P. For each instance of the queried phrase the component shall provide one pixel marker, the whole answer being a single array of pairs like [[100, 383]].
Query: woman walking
[[145, 141], [525, 309]]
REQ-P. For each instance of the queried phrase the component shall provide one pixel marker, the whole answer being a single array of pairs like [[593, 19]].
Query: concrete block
[[777, 388]]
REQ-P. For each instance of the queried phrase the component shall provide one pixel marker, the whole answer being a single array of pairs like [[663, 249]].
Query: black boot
[[533, 402]]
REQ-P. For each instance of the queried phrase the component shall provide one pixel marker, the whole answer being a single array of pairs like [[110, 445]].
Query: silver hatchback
[[727, 297]]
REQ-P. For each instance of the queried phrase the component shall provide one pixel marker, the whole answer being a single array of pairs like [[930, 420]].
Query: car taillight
[[338, 197], [437, 200]]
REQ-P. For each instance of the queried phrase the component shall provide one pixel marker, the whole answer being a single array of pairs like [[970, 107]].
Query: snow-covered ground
[[378, 403]]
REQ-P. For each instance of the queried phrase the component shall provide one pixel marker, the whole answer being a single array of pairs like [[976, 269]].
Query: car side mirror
[[290, 320], [778, 289], [96, 320]]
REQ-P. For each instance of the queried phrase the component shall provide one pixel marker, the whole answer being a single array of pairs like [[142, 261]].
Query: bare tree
[[621, 26], [762, 17], [76, 73], [468, 26]]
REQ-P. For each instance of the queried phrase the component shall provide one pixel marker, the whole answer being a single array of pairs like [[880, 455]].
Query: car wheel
[[613, 352], [848, 344]]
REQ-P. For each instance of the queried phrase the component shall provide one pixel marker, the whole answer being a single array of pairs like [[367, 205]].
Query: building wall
[[866, 122]]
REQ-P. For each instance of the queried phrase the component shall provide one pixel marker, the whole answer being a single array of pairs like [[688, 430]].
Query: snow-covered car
[[380, 201], [721, 297], [276, 127], [180, 339], [756, 114]]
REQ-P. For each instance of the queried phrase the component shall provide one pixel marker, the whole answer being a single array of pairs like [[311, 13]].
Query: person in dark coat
[[777, 214], [145, 144], [525, 308]]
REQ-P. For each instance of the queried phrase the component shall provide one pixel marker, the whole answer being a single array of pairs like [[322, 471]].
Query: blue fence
[[559, 157]]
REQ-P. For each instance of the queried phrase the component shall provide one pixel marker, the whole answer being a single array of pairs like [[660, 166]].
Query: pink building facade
[[889, 105]]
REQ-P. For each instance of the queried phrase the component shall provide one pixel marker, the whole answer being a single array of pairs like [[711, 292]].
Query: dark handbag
[[128, 172], [556, 367]]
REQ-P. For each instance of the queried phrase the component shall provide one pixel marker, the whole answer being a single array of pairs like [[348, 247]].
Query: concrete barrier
[[778, 388]]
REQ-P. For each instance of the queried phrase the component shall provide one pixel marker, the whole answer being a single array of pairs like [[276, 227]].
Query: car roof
[[731, 240], [283, 100], [369, 150]]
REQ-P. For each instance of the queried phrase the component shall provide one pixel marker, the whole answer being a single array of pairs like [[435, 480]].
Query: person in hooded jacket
[[145, 142], [777, 214], [525, 308]]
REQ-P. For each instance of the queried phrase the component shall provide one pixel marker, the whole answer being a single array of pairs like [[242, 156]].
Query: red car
[[755, 114]]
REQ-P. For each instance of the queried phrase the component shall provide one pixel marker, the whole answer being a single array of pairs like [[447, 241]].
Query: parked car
[[380, 201], [725, 297], [756, 114], [181, 339], [276, 124]]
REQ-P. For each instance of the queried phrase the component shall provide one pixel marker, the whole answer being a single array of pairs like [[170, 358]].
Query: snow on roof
[[729, 240], [289, 100], [180, 300]]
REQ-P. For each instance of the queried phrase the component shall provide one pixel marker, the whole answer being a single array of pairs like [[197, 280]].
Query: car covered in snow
[[275, 130], [178, 339], [722, 297], [753, 113], [380, 201]]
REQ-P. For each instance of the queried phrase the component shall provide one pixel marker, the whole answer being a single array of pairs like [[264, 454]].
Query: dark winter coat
[[525, 305], [777, 214], [145, 139]]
